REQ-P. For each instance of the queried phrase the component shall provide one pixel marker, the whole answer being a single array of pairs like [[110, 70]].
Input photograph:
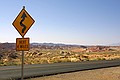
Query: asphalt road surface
[[111, 73], [14, 72]]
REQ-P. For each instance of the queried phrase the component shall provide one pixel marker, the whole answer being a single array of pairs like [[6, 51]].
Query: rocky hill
[[41, 53]]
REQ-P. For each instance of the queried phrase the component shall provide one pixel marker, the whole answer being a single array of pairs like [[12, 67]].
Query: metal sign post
[[22, 44], [22, 24], [22, 67]]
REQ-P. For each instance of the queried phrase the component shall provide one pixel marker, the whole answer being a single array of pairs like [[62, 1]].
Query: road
[[14, 72]]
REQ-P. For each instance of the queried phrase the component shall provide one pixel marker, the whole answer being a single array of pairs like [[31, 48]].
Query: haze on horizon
[[88, 22]]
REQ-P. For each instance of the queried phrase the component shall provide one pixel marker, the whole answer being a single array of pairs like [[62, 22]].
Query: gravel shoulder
[[112, 73]]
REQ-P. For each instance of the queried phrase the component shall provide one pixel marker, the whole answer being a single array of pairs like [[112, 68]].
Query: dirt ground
[[112, 73]]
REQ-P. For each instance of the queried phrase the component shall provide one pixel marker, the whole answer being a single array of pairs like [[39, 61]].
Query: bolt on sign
[[22, 44], [23, 22]]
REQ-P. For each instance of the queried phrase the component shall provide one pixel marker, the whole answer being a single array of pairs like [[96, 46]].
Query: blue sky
[[88, 22]]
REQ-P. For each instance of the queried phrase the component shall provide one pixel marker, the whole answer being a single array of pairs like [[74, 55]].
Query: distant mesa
[[51, 45], [115, 44]]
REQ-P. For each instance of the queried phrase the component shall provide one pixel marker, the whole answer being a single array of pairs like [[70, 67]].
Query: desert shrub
[[1, 56], [13, 56]]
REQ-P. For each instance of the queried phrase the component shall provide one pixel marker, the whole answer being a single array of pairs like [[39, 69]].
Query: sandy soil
[[112, 73]]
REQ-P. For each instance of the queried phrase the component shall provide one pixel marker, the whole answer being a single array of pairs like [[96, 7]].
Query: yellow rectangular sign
[[22, 44]]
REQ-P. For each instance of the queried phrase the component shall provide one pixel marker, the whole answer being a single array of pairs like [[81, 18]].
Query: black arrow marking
[[23, 18]]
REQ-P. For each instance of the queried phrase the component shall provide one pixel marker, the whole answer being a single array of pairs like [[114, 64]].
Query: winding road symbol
[[21, 22]]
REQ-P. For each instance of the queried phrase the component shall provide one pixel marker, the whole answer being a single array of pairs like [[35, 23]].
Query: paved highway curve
[[14, 72]]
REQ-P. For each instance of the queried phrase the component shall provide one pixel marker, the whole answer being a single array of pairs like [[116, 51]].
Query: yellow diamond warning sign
[[23, 22], [22, 44]]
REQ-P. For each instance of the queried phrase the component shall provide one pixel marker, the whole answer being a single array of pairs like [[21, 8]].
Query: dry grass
[[42, 56]]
